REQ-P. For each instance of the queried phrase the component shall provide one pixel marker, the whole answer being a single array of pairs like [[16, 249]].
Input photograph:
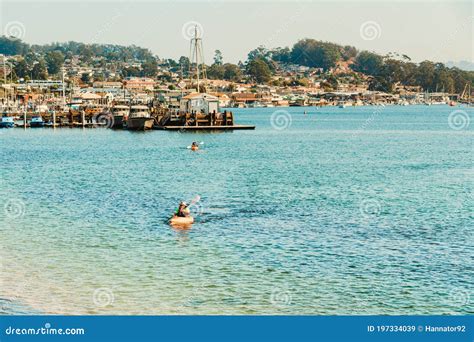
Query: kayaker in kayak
[[182, 217], [194, 146], [183, 210]]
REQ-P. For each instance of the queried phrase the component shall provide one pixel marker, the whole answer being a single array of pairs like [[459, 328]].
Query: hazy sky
[[440, 31]]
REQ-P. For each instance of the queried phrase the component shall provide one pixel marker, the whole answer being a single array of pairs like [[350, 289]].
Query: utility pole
[[4, 77], [63, 88]]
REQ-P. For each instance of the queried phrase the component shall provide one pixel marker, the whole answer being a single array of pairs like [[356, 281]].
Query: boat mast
[[197, 61], [64, 90], [197, 57]]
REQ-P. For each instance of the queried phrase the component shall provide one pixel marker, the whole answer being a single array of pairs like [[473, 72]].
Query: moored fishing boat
[[139, 118], [37, 121], [120, 113], [7, 122]]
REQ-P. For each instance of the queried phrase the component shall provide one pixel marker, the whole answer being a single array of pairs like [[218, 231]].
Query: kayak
[[181, 220]]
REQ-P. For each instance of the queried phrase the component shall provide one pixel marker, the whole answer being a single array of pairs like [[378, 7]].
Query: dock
[[205, 128]]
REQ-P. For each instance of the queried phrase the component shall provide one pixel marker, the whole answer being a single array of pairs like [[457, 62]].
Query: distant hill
[[463, 65]]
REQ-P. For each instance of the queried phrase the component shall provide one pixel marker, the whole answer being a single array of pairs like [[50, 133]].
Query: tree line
[[262, 64], [41, 61]]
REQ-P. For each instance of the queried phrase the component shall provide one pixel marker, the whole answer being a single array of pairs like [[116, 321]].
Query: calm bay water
[[361, 210]]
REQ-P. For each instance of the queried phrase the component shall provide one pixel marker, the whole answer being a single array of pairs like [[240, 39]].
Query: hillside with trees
[[261, 66]]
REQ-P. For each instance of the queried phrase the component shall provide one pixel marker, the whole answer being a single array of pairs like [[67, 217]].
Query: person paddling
[[194, 146], [183, 210]]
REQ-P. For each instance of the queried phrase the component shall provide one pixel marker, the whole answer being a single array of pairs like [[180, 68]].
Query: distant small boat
[[7, 122], [36, 121], [342, 104]]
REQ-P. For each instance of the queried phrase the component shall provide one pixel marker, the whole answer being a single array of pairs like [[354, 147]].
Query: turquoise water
[[364, 210]]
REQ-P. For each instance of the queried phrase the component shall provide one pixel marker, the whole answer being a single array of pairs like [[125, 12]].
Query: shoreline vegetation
[[309, 63]]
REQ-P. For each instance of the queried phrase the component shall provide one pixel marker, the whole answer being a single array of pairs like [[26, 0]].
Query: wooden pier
[[204, 128]]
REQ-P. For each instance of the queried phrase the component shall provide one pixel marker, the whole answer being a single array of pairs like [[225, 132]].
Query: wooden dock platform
[[204, 128]]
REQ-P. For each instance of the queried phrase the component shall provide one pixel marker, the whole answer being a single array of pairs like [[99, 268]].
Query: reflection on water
[[322, 217]]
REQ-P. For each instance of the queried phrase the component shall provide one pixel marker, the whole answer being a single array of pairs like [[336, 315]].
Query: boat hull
[[36, 124], [140, 124], [181, 221], [7, 124], [118, 121]]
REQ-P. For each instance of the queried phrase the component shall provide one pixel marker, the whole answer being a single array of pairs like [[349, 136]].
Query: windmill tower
[[197, 68]]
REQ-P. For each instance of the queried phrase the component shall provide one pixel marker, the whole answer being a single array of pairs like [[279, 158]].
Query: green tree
[[380, 83], [85, 52], [184, 64], [150, 67], [409, 73], [216, 72], [332, 81], [85, 78], [443, 80], [259, 70], [11, 46], [54, 60], [131, 72], [218, 57], [368, 63], [259, 53], [21, 69], [348, 52], [313, 53], [40, 70], [425, 75], [281, 55], [232, 72]]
